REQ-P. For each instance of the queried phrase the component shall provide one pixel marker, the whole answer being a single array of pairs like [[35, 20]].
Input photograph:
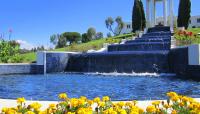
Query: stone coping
[[18, 63], [12, 103], [67, 52]]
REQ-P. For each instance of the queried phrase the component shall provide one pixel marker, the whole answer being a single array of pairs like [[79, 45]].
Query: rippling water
[[118, 87]]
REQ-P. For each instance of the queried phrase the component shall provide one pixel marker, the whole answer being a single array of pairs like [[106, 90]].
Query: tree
[[72, 37], [91, 33], [61, 42], [138, 16], [54, 39], [110, 22], [85, 38], [143, 16], [184, 13], [120, 24], [99, 35]]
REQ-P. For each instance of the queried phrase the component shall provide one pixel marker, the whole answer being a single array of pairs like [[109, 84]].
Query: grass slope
[[83, 47]]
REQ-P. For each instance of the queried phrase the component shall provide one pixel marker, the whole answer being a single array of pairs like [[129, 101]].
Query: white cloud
[[25, 44]]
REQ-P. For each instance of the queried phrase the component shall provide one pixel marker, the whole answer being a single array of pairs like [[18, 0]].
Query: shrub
[[9, 52]]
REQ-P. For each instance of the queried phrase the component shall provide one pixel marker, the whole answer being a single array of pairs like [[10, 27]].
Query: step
[[158, 29], [156, 35], [148, 40], [121, 62], [140, 46], [153, 37]]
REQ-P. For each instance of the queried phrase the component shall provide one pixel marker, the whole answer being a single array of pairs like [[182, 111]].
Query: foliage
[[91, 33], [110, 22], [176, 104], [138, 16], [99, 35], [85, 38], [120, 24], [72, 37], [61, 42], [184, 13], [54, 38], [9, 51]]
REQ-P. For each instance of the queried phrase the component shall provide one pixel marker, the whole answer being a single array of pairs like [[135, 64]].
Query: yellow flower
[[62, 96], [175, 98], [74, 102], [30, 112], [167, 106], [151, 109], [97, 99], [90, 102], [21, 100], [81, 102], [181, 104], [174, 112], [106, 98], [52, 106], [101, 104], [122, 111], [35, 106], [121, 104], [4, 109], [156, 103], [83, 98], [171, 94]]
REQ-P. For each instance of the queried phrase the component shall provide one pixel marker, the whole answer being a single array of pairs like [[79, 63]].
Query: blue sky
[[33, 21]]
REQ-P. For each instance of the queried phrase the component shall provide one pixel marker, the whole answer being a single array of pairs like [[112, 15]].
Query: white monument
[[151, 12]]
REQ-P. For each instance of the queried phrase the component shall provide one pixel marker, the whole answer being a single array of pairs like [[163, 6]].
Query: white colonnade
[[151, 13]]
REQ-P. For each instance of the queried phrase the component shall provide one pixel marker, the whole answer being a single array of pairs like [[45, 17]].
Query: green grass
[[194, 30], [28, 57], [83, 47]]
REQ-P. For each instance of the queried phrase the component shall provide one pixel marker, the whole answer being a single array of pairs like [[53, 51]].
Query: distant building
[[194, 23]]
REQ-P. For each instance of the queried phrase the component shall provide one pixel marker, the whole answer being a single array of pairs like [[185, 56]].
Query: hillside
[[83, 47]]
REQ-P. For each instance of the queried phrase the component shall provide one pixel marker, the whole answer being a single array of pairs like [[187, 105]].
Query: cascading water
[[139, 55]]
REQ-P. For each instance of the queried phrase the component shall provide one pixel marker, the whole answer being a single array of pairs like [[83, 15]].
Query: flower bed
[[176, 104]]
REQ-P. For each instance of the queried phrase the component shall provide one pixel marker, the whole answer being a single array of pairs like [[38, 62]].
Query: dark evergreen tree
[[143, 16], [184, 13], [138, 16]]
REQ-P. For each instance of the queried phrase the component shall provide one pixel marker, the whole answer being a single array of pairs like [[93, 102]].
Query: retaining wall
[[179, 63], [21, 69], [57, 61]]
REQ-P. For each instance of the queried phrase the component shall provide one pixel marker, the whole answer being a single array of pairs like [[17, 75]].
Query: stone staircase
[[146, 54]]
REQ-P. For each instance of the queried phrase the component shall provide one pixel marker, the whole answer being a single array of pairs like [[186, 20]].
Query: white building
[[194, 23]]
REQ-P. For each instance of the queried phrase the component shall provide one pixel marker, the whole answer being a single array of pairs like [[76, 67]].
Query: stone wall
[[21, 69], [57, 61], [179, 64]]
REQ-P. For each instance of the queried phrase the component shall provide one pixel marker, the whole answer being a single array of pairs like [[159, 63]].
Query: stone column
[[171, 15], [153, 13], [165, 12], [147, 14]]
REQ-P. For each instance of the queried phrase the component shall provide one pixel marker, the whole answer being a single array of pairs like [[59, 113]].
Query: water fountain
[[139, 55]]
